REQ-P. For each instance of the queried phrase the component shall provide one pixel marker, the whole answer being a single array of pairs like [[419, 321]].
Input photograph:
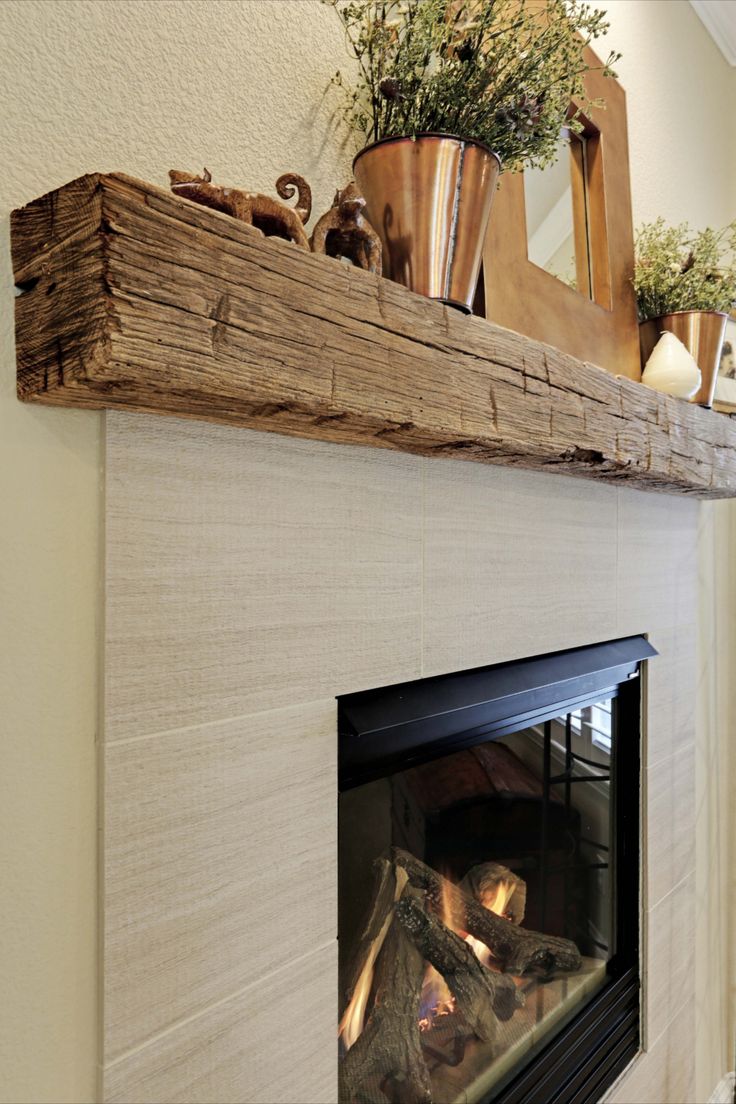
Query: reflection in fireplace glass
[[476, 910]]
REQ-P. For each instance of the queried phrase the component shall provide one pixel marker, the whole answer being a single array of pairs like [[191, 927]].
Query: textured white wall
[[680, 94], [141, 86]]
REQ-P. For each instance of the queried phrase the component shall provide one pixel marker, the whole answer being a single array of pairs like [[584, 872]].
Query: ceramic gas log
[[419, 920]]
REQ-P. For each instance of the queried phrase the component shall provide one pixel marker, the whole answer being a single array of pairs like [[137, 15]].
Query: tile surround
[[245, 1049], [210, 879], [671, 683], [670, 956], [514, 564], [250, 574], [670, 851], [665, 1074], [263, 572], [657, 561]]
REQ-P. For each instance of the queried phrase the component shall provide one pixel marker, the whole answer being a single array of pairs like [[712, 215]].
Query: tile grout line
[[192, 1017], [165, 732], [677, 885], [667, 1026]]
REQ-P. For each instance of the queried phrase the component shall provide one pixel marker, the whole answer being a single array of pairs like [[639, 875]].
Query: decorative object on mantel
[[725, 397], [433, 194], [671, 368], [132, 297], [595, 319], [440, 120], [266, 214], [344, 231], [686, 284]]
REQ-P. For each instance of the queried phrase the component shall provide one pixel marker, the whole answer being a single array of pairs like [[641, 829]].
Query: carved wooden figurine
[[269, 215], [344, 231]]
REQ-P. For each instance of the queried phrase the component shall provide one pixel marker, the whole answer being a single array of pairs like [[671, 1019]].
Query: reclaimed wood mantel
[[132, 297]]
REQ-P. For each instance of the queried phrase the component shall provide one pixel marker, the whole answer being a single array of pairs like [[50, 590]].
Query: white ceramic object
[[671, 368]]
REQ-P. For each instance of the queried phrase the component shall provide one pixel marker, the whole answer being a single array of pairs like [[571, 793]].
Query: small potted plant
[[448, 92], [686, 284]]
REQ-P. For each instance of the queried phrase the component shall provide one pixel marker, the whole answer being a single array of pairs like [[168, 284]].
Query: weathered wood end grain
[[133, 297]]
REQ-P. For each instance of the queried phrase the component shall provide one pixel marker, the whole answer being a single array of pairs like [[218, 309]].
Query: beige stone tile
[[517, 563], [219, 862], [249, 571], [671, 693], [657, 561], [670, 969], [666, 1073], [274, 1042], [670, 823]]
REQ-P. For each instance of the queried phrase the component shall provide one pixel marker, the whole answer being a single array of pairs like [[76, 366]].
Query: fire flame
[[437, 1000], [353, 1020], [497, 899]]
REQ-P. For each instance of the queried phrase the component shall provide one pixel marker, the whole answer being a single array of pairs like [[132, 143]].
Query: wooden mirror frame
[[602, 329]]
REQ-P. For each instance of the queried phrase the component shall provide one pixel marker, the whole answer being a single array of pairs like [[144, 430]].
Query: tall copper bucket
[[429, 198], [702, 333]]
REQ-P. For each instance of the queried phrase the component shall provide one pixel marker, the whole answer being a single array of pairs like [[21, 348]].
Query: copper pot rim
[[675, 314], [429, 134]]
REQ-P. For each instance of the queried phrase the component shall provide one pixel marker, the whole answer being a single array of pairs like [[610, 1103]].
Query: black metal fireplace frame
[[400, 726]]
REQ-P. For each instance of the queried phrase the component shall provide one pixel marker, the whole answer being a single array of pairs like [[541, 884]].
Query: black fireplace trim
[[384, 730], [582, 1062], [413, 722]]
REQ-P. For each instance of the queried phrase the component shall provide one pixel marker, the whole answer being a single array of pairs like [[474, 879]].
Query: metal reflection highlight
[[429, 198]]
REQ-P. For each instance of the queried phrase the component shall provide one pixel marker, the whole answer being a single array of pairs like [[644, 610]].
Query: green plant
[[677, 269], [502, 72]]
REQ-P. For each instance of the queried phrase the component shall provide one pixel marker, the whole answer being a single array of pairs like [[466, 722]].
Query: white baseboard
[[724, 1090]]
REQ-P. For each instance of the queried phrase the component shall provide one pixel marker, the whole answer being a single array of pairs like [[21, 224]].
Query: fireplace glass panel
[[522, 826]]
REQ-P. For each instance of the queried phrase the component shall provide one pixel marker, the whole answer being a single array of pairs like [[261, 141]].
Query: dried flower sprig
[[502, 72], [677, 269]]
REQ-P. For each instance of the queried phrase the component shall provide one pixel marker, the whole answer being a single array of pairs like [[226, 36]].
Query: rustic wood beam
[[132, 297]]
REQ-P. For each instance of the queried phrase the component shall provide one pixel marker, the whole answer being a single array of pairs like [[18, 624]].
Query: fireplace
[[489, 881]]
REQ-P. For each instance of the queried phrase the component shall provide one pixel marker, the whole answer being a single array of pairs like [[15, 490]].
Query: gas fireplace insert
[[489, 882]]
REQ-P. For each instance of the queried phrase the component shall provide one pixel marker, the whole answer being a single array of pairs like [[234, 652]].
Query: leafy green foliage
[[502, 72], [679, 270]]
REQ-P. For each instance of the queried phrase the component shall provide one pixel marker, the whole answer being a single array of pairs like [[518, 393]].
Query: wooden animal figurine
[[344, 231], [269, 215]]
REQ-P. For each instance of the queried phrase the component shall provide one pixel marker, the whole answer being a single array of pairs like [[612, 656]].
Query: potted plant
[[447, 92], [686, 284]]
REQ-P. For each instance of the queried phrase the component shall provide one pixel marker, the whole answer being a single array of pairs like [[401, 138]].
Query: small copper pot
[[701, 332], [429, 198]]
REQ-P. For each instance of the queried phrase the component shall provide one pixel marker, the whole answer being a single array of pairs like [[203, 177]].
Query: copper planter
[[701, 332], [429, 198]]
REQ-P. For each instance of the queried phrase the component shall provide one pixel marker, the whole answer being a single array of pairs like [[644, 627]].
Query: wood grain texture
[[158, 305], [219, 863], [601, 326], [275, 1041]]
